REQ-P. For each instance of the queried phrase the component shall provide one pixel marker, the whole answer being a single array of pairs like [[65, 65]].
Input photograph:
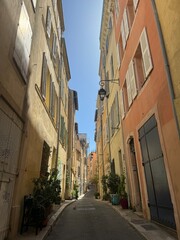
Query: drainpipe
[[166, 63]]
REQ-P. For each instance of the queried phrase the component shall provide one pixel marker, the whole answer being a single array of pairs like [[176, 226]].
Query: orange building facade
[[151, 140]]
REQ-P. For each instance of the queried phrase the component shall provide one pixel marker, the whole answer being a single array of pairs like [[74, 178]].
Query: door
[[161, 208], [10, 139]]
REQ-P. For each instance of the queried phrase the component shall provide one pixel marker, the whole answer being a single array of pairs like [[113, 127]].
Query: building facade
[[108, 126], [33, 68], [148, 111]]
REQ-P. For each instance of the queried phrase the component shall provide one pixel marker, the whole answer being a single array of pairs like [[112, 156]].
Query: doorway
[[159, 199]]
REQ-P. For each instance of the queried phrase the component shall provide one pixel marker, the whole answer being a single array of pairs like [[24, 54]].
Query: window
[[48, 90], [45, 158], [139, 68], [23, 42], [146, 53]]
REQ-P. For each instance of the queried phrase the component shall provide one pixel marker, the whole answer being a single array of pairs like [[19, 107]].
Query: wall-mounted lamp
[[102, 91]]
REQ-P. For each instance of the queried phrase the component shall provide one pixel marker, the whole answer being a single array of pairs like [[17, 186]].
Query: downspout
[[102, 143], [166, 63]]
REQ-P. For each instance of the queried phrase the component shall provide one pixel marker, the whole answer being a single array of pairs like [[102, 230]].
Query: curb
[[54, 218]]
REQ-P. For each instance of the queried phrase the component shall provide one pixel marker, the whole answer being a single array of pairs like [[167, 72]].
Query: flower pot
[[115, 199], [124, 203]]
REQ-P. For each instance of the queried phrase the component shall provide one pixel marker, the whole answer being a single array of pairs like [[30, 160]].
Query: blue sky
[[82, 28]]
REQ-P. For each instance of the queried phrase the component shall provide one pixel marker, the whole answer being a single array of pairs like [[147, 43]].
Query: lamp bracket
[[101, 83]]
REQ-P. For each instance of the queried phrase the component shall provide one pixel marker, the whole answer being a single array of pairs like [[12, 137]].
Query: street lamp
[[102, 91], [102, 95]]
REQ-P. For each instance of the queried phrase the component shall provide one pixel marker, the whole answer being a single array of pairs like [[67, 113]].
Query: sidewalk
[[30, 234], [149, 230]]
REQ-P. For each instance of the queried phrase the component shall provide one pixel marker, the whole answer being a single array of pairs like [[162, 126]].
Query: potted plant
[[122, 192], [45, 193], [113, 183], [105, 187], [97, 195]]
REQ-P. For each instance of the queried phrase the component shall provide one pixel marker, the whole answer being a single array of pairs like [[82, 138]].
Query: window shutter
[[116, 110], [118, 55], [121, 100], [51, 97], [48, 22], [132, 80], [112, 67], [53, 100], [54, 47], [34, 3], [135, 2], [117, 8], [123, 35], [44, 76], [126, 25], [146, 53], [23, 42], [128, 88]]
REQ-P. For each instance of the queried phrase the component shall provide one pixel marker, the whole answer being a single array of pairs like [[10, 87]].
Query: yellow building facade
[[110, 150], [33, 69]]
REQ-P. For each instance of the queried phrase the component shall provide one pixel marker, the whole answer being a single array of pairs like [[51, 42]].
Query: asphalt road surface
[[91, 219]]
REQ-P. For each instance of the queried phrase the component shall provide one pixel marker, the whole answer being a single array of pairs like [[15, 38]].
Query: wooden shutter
[[118, 55], [44, 76], [116, 110], [128, 85], [52, 99], [23, 42], [117, 8], [121, 101], [34, 3], [112, 67], [132, 80], [48, 22], [123, 35], [135, 2], [126, 25], [54, 47], [146, 53]]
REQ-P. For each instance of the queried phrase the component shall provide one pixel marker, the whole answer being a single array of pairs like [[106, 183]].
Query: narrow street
[[90, 219]]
